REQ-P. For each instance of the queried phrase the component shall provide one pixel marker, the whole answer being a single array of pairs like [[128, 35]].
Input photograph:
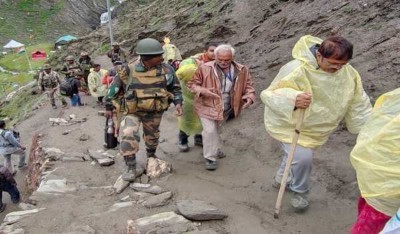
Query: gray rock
[[84, 137], [157, 168], [55, 186], [101, 157], [80, 229], [66, 132], [17, 215], [167, 222], [26, 206], [144, 179], [158, 200], [199, 210], [72, 159], [202, 232], [53, 154], [120, 185], [120, 205], [147, 188]]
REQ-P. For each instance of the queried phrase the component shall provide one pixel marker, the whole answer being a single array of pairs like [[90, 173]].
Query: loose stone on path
[[199, 210]]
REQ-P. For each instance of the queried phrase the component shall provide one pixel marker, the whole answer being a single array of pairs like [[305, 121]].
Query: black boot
[[130, 173]]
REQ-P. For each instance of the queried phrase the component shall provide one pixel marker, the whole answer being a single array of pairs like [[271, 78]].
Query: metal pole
[[109, 22], [27, 58]]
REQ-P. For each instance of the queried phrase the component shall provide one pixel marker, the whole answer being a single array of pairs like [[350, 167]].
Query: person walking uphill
[[49, 81], [10, 144], [151, 88], [376, 160], [320, 80], [189, 122], [222, 89]]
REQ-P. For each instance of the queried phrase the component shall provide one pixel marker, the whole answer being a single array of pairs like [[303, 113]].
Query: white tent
[[13, 44], [18, 47]]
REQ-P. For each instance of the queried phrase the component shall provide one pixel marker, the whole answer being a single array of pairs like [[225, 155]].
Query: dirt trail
[[241, 186]]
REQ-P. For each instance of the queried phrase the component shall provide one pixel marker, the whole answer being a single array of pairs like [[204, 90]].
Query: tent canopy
[[13, 44], [64, 39]]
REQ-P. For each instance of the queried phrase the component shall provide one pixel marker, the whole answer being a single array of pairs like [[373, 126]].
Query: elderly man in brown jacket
[[223, 88]]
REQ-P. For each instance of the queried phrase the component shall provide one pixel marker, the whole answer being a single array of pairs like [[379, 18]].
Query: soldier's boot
[[53, 104], [151, 153], [64, 103], [130, 173]]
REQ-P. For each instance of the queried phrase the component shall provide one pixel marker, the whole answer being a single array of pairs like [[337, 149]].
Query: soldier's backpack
[[66, 88]]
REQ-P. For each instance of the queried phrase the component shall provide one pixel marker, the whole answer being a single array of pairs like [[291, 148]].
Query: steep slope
[[33, 21]]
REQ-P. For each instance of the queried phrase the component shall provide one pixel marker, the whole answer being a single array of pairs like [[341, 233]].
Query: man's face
[[47, 70], [224, 59], [70, 61], [157, 60], [97, 68], [116, 47], [210, 52], [330, 65]]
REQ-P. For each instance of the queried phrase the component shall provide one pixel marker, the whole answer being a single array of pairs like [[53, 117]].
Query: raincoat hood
[[302, 52]]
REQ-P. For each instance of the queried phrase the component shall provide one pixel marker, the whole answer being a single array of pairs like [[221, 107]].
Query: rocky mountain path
[[83, 199]]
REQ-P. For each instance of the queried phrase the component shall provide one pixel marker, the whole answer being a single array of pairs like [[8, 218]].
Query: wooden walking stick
[[289, 160]]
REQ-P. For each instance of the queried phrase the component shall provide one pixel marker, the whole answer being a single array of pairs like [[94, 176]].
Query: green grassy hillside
[[19, 62], [28, 21]]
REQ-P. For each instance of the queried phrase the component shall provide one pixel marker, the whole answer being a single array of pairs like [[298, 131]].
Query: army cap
[[69, 58], [46, 66], [115, 44], [83, 53], [149, 46]]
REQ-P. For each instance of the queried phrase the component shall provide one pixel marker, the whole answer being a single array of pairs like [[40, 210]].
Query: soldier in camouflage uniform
[[117, 53], [48, 82], [85, 63], [70, 67], [148, 91]]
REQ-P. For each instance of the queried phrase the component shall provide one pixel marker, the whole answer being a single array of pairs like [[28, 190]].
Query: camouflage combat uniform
[[117, 55], [49, 83], [147, 94], [67, 68]]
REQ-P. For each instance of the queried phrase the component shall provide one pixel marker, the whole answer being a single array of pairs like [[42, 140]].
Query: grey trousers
[[8, 162], [299, 176]]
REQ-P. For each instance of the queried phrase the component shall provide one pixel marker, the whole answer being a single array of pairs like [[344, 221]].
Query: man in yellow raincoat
[[96, 87], [376, 159], [189, 122], [320, 80], [171, 55]]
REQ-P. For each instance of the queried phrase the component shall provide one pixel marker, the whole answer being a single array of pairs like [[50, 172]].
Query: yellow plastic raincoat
[[376, 156], [94, 83], [336, 96], [189, 122], [171, 52]]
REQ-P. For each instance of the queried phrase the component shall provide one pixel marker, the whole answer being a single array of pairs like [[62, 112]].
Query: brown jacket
[[206, 76]]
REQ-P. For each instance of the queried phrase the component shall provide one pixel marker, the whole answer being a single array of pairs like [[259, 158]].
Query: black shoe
[[198, 140], [211, 165]]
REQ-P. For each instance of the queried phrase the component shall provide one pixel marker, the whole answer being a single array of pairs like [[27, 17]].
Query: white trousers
[[211, 138]]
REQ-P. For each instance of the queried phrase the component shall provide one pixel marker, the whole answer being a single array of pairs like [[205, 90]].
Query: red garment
[[369, 220]]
